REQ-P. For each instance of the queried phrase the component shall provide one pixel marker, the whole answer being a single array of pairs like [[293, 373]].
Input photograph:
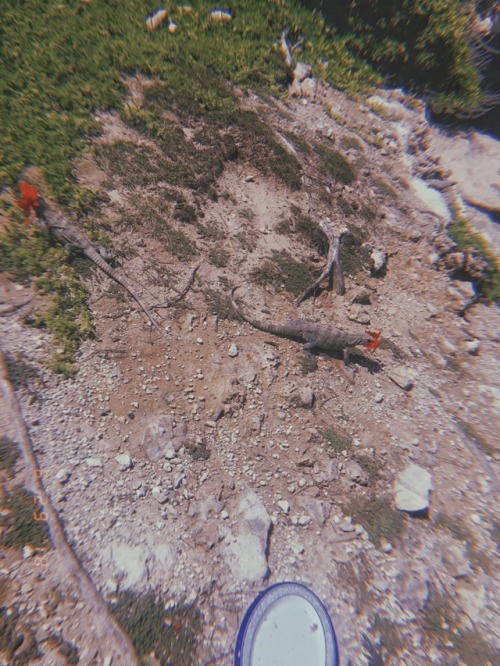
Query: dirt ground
[[214, 460]]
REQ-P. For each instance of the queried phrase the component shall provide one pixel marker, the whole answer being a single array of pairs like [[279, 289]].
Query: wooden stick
[[333, 269], [113, 639]]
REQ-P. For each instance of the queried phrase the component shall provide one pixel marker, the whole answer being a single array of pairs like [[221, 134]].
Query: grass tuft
[[336, 442], [336, 165], [283, 273], [170, 634], [378, 518], [17, 521]]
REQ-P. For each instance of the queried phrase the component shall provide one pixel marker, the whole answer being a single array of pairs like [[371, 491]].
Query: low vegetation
[[283, 273], [336, 442], [468, 241], [18, 526], [379, 518], [169, 634]]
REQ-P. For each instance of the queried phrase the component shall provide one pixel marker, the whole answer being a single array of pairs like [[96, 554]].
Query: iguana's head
[[375, 342], [31, 199]]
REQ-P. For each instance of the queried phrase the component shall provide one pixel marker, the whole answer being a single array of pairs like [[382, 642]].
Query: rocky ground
[[213, 461]]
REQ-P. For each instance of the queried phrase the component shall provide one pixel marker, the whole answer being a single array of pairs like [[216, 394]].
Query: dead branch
[[8, 309], [109, 632], [333, 269], [181, 295]]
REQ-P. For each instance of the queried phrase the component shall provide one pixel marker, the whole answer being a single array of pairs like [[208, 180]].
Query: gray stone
[[124, 460], [161, 436], [63, 476], [403, 377], [303, 397], [93, 462], [356, 473], [455, 560], [411, 489], [318, 510], [378, 261], [245, 553], [131, 562], [233, 351]]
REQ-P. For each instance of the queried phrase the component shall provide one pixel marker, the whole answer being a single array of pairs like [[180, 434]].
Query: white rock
[[63, 476], [233, 351], [403, 377], [283, 505], [124, 460], [473, 347], [378, 257], [129, 561], [411, 489], [93, 462], [379, 397]]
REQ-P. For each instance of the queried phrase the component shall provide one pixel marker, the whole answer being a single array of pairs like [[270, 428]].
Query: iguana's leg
[[308, 348], [346, 356]]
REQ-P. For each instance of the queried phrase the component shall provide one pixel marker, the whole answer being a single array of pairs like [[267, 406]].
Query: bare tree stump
[[333, 269]]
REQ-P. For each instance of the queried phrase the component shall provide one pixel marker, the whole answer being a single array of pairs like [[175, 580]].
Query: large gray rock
[[245, 552], [130, 562], [161, 436], [411, 489]]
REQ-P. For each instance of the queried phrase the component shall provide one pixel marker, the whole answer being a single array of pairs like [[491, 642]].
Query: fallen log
[[333, 269]]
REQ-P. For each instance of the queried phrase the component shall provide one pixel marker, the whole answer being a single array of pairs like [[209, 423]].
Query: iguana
[[73, 239], [315, 336]]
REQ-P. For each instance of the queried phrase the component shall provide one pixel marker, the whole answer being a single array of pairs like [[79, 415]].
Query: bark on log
[[333, 269]]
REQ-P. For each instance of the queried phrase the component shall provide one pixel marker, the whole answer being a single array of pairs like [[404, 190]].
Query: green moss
[[283, 273], [219, 257], [8, 455], [385, 188], [219, 305], [308, 364], [379, 519], [456, 526], [467, 240], [17, 521], [172, 635], [312, 233], [389, 635], [335, 441], [17, 637], [346, 208], [336, 165], [368, 213], [25, 252], [350, 143], [352, 255]]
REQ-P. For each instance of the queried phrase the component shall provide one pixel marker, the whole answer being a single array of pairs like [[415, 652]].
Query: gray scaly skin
[[75, 240], [315, 336]]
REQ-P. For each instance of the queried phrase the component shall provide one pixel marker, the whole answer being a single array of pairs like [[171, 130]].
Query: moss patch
[[336, 165], [336, 442], [9, 454], [283, 273], [171, 635], [20, 527], [378, 518]]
